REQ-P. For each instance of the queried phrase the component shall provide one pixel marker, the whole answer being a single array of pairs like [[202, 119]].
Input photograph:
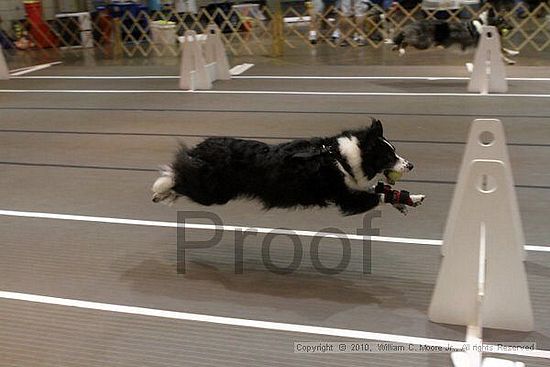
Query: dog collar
[[341, 163], [329, 150]]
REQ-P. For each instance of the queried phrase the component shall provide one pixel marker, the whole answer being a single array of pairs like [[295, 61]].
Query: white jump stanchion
[[479, 147], [483, 237], [217, 50], [193, 73], [209, 50], [488, 73], [4, 71], [203, 59]]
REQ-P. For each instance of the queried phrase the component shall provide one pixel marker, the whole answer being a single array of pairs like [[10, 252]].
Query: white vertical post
[[488, 74], [486, 140], [219, 54], [4, 71], [209, 51], [193, 73]]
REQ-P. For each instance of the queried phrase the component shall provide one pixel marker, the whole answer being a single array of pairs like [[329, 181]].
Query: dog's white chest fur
[[350, 150]]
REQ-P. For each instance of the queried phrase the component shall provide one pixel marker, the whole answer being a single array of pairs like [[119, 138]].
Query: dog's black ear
[[376, 127]]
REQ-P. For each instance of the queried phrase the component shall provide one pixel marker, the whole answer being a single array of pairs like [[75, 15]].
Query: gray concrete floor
[[96, 154]]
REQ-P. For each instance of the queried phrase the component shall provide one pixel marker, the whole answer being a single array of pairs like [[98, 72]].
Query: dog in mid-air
[[427, 33], [318, 172]]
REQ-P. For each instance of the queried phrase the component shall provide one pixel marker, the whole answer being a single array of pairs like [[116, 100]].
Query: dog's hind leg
[[508, 60], [509, 52]]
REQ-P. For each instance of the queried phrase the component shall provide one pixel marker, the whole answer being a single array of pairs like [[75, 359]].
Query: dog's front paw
[[412, 201], [400, 199], [402, 208]]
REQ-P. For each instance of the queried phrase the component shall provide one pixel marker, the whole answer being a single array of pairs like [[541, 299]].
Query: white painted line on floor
[[230, 228], [283, 77], [19, 69], [239, 69], [269, 92], [152, 223], [257, 324], [429, 78], [538, 248], [133, 310], [30, 69], [100, 77]]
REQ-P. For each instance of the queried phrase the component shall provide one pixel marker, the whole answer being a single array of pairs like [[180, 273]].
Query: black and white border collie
[[301, 173], [427, 33]]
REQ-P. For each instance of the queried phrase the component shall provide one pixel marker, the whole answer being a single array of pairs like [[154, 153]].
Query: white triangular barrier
[[217, 53], [479, 147], [488, 74], [482, 254], [4, 71], [192, 71], [203, 59]]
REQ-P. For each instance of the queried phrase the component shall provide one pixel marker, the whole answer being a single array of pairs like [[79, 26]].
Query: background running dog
[[300, 173], [428, 33]]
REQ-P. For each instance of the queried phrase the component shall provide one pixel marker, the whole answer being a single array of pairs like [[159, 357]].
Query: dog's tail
[[163, 188]]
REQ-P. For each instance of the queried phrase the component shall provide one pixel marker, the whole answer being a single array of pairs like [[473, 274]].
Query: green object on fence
[[164, 22]]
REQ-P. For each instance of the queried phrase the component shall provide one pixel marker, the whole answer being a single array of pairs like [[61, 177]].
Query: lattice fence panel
[[250, 30]]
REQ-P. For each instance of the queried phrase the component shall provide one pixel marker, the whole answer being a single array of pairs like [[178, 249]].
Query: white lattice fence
[[252, 32]]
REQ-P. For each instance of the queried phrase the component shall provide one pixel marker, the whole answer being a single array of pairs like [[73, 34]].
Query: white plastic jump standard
[[4, 72], [483, 237], [215, 54], [486, 140], [202, 62], [488, 74], [192, 71]]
